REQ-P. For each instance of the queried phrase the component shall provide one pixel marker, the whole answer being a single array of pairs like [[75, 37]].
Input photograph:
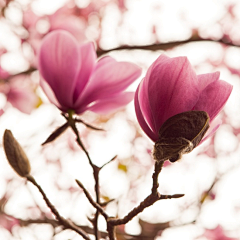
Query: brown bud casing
[[180, 134], [15, 154]]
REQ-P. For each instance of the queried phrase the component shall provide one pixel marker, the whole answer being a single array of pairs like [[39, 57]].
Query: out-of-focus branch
[[152, 47], [165, 46]]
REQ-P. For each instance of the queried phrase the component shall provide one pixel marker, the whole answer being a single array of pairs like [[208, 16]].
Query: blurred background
[[207, 32]]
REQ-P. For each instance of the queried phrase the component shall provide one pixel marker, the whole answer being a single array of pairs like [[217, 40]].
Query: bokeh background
[[207, 32]]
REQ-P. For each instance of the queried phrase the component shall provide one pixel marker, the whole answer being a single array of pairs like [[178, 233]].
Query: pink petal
[[205, 79], [22, 99], [59, 62], [144, 96], [171, 87], [215, 124], [140, 116], [213, 98], [49, 93], [109, 77], [108, 105], [89, 57]]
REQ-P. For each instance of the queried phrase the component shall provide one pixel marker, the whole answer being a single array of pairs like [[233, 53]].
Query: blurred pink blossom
[[38, 26], [65, 19], [171, 86], [19, 93], [216, 234], [3, 74], [8, 222], [73, 79]]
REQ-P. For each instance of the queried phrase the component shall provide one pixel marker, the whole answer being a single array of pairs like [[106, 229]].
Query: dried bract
[[180, 134]]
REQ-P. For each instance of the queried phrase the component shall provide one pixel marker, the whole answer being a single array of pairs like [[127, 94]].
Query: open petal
[[59, 62], [49, 93], [109, 77], [143, 94], [140, 117], [205, 79], [88, 59], [112, 103], [213, 98]]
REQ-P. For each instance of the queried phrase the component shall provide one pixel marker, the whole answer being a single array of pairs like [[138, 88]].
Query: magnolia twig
[[96, 169], [66, 223], [148, 201], [90, 199], [88, 125], [112, 159]]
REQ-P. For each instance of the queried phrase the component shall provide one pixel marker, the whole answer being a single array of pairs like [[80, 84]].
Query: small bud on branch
[[15, 154]]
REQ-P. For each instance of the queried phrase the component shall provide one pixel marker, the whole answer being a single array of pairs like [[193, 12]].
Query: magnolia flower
[[171, 87], [73, 79]]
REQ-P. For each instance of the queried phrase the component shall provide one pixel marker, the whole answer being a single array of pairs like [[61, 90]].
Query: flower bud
[[15, 154]]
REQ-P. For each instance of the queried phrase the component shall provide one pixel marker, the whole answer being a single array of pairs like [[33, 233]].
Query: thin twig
[[148, 201], [88, 125], [112, 159], [96, 169], [66, 223], [90, 199]]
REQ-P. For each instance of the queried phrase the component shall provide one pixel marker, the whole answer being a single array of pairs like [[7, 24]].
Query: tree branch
[[66, 223]]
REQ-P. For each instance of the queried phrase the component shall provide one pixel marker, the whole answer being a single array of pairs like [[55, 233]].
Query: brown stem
[[96, 169], [111, 231], [66, 223], [88, 125], [148, 201], [157, 170], [97, 191], [90, 199]]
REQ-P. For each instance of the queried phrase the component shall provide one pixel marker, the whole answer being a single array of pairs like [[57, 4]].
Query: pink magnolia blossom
[[73, 80], [8, 222], [171, 86], [217, 234], [21, 95]]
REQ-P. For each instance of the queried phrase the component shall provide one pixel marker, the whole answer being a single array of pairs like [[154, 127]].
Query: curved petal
[[89, 57], [205, 79], [49, 93], [215, 124], [109, 77], [113, 103], [213, 98], [59, 62], [143, 97], [141, 120], [172, 88]]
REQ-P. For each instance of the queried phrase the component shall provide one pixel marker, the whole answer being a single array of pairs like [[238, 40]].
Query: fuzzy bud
[[15, 154]]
